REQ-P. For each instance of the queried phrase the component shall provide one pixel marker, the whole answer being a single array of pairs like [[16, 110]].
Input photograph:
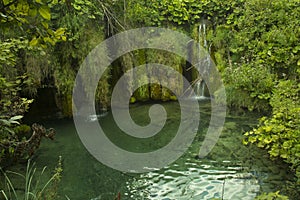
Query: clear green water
[[231, 170]]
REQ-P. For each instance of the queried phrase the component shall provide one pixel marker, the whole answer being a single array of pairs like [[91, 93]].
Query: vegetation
[[261, 47], [25, 31], [271, 196], [280, 133], [254, 43], [34, 188]]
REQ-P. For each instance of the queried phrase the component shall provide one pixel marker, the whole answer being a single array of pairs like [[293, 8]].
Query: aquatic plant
[[271, 195], [34, 188]]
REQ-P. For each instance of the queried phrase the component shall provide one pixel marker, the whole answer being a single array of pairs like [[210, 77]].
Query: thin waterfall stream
[[199, 88], [204, 63]]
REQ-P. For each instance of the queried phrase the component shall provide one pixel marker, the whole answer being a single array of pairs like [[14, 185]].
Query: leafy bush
[[271, 196], [249, 87], [12, 109], [256, 47], [280, 133], [178, 12]]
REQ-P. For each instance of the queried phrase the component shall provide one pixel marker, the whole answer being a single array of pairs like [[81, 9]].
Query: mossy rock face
[[132, 100], [166, 94], [155, 91], [103, 92], [174, 83], [165, 83], [115, 73], [140, 57], [142, 93], [66, 106], [141, 78], [173, 98]]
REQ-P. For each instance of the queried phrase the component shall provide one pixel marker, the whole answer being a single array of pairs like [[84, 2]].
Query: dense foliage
[[280, 133], [24, 30], [265, 60], [12, 109], [271, 195], [258, 52], [262, 48], [255, 45]]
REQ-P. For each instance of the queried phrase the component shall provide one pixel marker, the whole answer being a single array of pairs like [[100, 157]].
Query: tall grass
[[34, 189]]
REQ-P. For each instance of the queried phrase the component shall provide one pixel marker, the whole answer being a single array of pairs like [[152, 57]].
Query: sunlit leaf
[[45, 12], [59, 32], [34, 41], [45, 24]]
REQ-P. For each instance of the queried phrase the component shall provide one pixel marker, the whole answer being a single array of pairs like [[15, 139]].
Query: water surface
[[231, 170]]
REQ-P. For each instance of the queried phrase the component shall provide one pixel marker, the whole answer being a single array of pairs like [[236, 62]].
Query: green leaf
[[32, 12], [9, 130], [63, 38], [48, 39], [5, 122], [45, 12], [45, 24], [77, 7], [267, 140], [268, 128], [59, 32], [11, 150], [34, 41], [17, 117], [5, 2], [274, 152], [14, 122], [283, 155]]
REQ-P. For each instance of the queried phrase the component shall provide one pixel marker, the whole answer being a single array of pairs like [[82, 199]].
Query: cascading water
[[204, 63], [202, 35], [199, 90]]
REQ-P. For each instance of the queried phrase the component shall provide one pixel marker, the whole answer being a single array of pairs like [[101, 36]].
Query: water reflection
[[195, 180], [231, 170]]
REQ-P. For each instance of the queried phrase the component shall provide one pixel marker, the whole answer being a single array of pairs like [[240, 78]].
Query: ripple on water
[[204, 182]]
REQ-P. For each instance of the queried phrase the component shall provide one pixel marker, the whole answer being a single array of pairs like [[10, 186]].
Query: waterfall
[[202, 35], [204, 62], [199, 90]]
